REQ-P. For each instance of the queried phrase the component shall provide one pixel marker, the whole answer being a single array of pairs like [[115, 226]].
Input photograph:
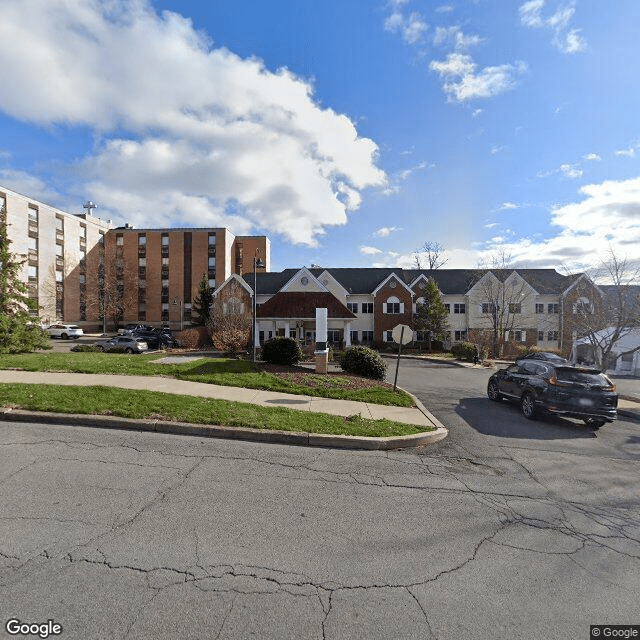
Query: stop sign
[[400, 337]]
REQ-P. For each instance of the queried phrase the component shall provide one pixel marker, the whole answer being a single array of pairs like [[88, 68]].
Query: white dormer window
[[304, 281]]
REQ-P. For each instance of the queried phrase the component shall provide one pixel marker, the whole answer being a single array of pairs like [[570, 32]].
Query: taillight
[[552, 380]]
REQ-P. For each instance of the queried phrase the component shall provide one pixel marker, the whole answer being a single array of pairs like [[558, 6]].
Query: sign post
[[402, 334], [321, 353]]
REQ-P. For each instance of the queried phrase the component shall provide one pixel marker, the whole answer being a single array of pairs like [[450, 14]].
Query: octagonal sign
[[401, 338]]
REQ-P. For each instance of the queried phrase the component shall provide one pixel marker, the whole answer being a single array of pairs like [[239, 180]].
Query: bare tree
[[230, 331], [501, 293], [429, 255], [604, 321], [117, 290]]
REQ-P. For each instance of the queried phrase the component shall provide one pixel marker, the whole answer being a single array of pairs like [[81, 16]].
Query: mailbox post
[[322, 351]]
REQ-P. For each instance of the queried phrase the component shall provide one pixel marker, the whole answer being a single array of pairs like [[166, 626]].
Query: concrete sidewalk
[[418, 415]]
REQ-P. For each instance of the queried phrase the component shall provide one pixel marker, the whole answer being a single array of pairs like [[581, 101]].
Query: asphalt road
[[508, 529]]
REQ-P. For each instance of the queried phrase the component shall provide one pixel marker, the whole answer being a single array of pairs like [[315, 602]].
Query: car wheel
[[594, 423], [493, 392], [129, 350], [528, 405], [64, 336]]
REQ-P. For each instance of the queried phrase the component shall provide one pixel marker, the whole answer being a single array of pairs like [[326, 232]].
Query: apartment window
[[388, 337], [459, 307], [519, 336], [83, 231], [32, 272], [367, 307], [82, 279], [354, 337], [33, 214], [421, 336], [488, 307], [334, 336], [367, 336], [540, 336], [552, 336], [119, 239], [539, 307], [394, 306], [212, 239], [142, 240], [460, 336], [583, 307], [165, 312], [142, 262], [165, 262], [212, 283], [212, 262], [515, 307], [142, 314], [352, 306], [552, 307], [165, 239]]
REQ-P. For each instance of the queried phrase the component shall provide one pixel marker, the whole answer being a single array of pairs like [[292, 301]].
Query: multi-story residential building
[[55, 246], [78, 265], [159, 270], [531, 307]]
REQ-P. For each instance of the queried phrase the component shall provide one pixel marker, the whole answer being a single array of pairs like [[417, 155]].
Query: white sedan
[[64, 331]]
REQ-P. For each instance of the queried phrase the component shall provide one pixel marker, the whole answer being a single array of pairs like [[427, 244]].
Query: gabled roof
[[450, 281], [302, 304]]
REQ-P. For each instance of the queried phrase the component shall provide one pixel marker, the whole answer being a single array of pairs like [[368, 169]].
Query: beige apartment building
[[74, 263]]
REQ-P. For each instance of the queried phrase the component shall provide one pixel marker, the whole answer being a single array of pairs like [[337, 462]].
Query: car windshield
[[583, 376]]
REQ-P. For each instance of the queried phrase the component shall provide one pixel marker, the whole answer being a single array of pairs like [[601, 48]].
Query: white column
[[347, 333], [257, 336], [286, 328]]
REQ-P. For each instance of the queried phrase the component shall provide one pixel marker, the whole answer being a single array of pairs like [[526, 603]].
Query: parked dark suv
[[576, 392]]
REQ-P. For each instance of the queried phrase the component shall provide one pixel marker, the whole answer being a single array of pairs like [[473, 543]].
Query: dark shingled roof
[[297, 304], [450, 281]]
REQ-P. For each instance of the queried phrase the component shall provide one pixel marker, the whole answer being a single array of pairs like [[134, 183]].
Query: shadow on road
[[505, 420]]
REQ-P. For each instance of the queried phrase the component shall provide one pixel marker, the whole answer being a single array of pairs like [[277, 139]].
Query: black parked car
[[156, 338], [576, 392], [547, 356]]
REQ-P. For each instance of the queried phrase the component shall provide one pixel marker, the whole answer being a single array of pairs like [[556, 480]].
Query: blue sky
[[349, 132]]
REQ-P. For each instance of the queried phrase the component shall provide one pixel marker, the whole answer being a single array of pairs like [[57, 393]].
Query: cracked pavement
[[139, 535]]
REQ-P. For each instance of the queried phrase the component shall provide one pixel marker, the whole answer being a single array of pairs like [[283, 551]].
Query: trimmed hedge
[[282, 350], [364, 362], [467, 351]]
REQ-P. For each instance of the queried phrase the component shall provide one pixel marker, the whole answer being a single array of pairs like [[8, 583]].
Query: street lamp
[[178, 301], [257, 264]]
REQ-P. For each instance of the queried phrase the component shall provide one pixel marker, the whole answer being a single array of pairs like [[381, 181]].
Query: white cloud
[[394, 186], [370, 251], [411, 27], [29, 185], [200, 132], [463, 82], [626, 153], [592, 157], [445, 8], [455, 37], [607, 215], [507, 206], [383, 232], [566, 38], [571, 171]]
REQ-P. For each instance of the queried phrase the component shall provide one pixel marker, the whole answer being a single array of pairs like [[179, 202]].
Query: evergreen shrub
[[282, 350], [364, 362]]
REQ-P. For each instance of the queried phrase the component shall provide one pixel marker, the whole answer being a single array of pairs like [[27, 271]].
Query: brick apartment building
[[73, 262]]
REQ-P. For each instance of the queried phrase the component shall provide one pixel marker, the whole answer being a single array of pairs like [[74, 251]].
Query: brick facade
[[384, 321]]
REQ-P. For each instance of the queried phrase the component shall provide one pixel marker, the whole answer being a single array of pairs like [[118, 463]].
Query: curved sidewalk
[[418, 415]]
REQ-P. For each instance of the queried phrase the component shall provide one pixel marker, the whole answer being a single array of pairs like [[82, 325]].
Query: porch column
[[257, 335], [286, 328], [347, 333]]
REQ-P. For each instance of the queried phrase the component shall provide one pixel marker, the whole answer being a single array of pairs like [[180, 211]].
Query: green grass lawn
[[223, 371], [99, 400]]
